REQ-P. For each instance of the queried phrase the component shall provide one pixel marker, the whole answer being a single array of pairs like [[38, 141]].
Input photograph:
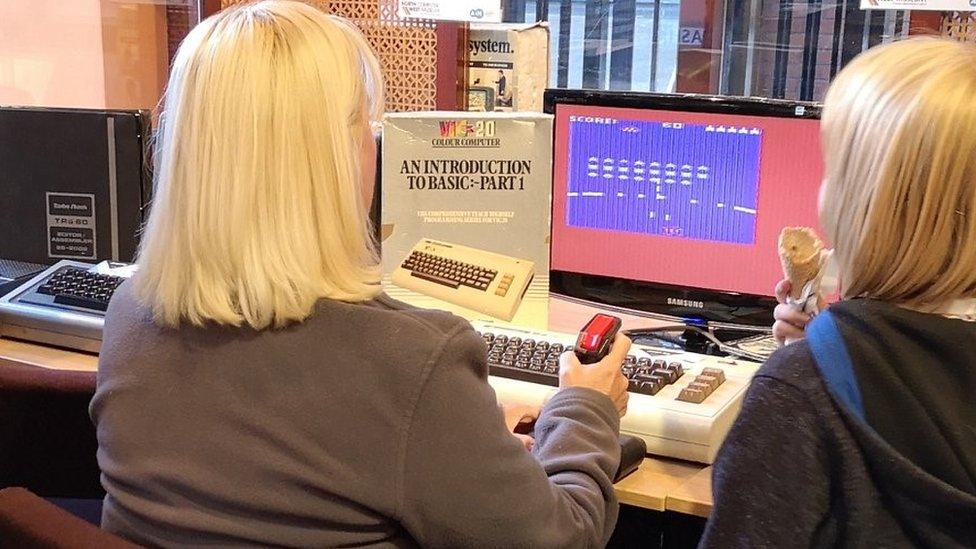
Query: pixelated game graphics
[[665, 179]]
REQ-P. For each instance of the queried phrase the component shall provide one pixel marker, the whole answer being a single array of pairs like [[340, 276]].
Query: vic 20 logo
[[464, 128]]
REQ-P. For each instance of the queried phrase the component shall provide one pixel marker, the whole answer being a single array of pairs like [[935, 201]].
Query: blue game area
[[668, 179]]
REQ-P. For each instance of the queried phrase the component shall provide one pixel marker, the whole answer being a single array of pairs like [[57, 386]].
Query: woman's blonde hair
[[899, 202], [258, 209]]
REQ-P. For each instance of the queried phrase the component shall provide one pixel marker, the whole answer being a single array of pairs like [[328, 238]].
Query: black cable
[[724, 347]]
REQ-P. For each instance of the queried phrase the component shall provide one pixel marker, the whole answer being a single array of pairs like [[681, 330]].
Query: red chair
[[30, 522], [47, 440]]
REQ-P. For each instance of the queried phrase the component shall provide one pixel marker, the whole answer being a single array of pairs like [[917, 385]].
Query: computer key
[[649, 388], [643, 362], [711, 381], [670, 375], [662, 377], [717, 372], [691, 395], [677, 367], [655, 380], [700, 387], [659, 363]]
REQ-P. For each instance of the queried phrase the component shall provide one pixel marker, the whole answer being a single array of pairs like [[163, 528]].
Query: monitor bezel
[[696, 305]]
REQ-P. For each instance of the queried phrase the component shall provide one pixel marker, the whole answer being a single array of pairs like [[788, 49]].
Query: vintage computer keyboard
[[681, 404], [483, 281], [63, 306]]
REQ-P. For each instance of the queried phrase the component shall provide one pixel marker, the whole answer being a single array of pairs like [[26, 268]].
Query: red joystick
[[596, 338]]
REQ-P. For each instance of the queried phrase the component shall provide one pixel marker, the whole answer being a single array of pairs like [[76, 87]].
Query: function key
[[716, 372], [692, 395], [711, 382]]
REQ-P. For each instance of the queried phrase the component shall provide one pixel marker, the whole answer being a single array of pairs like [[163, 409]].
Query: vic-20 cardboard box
[[466, 206]]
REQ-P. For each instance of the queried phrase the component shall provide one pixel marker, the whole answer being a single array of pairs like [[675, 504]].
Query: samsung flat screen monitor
[[673, 204]]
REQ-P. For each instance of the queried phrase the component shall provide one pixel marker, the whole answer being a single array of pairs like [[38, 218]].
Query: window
[[89, 53], [768, 48]]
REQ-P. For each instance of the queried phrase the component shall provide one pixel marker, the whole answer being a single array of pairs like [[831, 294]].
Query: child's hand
[[790, 323]]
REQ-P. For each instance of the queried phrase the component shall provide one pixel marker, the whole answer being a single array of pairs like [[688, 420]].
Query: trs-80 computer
[[63, 306], [681, 404], [482, 281]]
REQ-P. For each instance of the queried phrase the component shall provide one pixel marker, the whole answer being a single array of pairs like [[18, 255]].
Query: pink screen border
[[790, 174]]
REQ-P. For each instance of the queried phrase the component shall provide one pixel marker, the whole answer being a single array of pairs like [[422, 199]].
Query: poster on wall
[[474, 11], [932, 5]]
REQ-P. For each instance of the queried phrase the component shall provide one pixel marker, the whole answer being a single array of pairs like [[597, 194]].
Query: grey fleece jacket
[[366, 425]]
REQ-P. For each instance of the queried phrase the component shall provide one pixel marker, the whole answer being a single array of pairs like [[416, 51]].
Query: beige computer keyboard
[[671, 414], [483, 281]]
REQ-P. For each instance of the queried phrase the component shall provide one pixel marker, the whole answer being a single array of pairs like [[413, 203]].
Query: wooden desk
[[27, 354], [660, 484], [694, 496], [651, 486]]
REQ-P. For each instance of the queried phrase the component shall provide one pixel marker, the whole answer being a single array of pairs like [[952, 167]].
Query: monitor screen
[[685, 194]]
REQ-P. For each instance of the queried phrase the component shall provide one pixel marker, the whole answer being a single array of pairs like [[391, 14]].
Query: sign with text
[[932, 5], [71, 225], [488, 11], [691, 36]]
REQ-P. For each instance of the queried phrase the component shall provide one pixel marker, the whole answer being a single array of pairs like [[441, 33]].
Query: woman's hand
[[790, 323], [520, 414], [604, 376]]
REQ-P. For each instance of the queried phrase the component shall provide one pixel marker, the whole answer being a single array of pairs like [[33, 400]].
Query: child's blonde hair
[[258, 210], [899, 203]]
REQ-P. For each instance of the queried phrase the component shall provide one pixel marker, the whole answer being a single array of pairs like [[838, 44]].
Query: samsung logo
[[686, 303]]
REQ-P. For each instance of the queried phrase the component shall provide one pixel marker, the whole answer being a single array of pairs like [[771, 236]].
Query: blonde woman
[[256, 389], [864, 433]]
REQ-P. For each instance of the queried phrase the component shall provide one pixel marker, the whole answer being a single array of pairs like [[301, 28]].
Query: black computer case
[[74, 183]]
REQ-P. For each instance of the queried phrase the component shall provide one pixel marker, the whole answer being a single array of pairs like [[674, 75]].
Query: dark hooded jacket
[[801, 468]]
